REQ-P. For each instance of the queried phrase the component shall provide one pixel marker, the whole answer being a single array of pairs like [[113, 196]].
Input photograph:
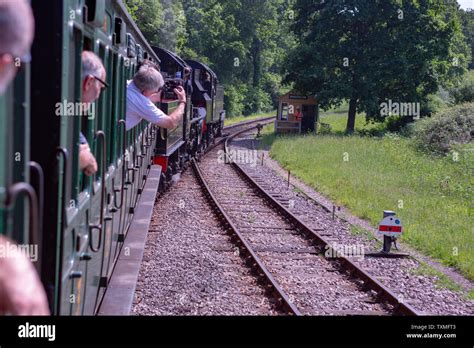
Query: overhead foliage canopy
[[369, 52], [357, 50]]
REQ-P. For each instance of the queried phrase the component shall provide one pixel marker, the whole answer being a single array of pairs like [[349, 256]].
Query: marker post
[[387, 240], [390, 228]]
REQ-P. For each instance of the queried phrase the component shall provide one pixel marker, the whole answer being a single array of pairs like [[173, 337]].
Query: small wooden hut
[[296, 114]]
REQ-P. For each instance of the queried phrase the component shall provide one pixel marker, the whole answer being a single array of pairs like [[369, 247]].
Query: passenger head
[[150, 82], [16, 36], [93, 77]]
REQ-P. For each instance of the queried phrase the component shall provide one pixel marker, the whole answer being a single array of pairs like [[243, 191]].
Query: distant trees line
[[365, 52], [245, 42]]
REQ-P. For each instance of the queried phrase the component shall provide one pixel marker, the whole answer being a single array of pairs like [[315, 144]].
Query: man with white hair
[[21, 292], [93, 82], [142, 94]]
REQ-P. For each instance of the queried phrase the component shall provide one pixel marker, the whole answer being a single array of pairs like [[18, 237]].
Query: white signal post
[[390, 228]]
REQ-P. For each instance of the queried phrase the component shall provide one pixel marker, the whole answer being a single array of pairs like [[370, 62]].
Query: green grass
[[234, 120], [338, 121], [432, 196]]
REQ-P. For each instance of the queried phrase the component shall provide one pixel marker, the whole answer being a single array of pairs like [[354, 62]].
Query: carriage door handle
[[100, 135], [124, 146], [13, 192]]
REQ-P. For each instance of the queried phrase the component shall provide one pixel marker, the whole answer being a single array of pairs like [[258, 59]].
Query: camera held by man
[[170, 86]]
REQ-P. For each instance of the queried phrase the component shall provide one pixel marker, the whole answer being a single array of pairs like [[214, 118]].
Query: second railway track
[[286, 255]]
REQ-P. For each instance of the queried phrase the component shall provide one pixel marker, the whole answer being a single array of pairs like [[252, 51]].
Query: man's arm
[[172, 120], [87, 161], [152, 114], [21, 291]]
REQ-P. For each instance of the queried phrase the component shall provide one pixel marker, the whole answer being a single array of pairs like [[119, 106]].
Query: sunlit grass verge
[[338, 122], [234, 120], [432, 195]]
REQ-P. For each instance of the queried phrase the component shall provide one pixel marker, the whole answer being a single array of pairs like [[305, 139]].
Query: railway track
[[287, 257], [263, 120]]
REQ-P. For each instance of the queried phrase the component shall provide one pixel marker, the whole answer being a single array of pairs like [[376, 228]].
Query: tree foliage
[[467, 20], [244, 42], [172, 33], [370, 51], [362, 51], [148, 15]]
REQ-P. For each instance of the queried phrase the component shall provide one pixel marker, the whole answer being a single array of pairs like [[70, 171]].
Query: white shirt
[[140, 107], [202, 112]]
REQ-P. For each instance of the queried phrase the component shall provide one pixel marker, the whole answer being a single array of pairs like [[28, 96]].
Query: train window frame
[[95, 13], [84, 183], [98, 123], [115, 83], [77, 43]]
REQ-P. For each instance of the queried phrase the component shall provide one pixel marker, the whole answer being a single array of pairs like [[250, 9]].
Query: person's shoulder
[[133, 91]]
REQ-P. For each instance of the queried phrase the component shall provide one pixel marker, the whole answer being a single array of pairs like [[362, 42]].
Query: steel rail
[[250, 257], [245, 123], [246, 251], [383, 293]]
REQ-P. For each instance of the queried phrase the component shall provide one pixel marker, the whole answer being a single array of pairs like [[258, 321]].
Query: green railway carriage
[[79, 223], [85, 219], [18, 198]]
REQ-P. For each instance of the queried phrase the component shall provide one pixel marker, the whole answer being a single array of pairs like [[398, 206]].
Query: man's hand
[[181, 94], [21, 291], [87, 161]]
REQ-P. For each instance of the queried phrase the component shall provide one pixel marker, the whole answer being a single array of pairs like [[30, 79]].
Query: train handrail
[[65, 155], [38, 170], [100, 135], [149, 138], [132, 169], [124, 147], [13, 193]]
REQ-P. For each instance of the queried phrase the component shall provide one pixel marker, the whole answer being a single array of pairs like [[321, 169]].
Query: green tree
[[264, 28], [172, 33], [370, 51], [467, 20], [245, 42], [148, 16]]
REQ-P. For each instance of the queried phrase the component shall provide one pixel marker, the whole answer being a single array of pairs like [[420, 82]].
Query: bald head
[[16, 36]]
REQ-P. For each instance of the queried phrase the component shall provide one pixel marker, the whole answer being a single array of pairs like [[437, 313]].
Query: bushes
[[434, 103], [234, 99], [324, 128], [440, 132], [257, 100], [242, 100], [395, 123], [465, 92]]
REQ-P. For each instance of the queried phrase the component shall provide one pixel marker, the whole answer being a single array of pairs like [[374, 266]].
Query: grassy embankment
[[432, 195]]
